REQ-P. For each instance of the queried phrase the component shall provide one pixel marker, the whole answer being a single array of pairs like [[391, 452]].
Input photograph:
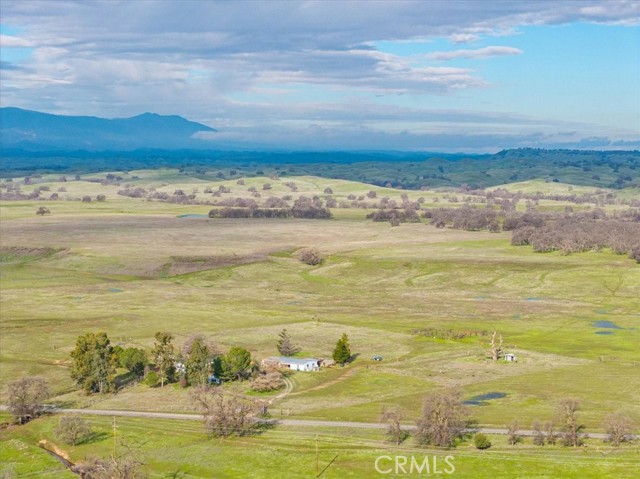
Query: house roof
[[288, 360]]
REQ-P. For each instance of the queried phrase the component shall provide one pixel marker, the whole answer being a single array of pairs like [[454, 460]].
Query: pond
[[115, 290], [193, 215], [605, 333], [481, 399], [605, 325]]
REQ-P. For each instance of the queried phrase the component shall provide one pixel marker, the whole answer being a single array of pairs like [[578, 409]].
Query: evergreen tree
[[198, 362], [164, 355], [236, 364], [94, 363], [285, 346], [342, 351]]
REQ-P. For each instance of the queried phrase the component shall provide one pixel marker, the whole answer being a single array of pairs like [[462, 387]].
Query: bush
[[267, 382], [311, 256], [152, 379], [481, 441]]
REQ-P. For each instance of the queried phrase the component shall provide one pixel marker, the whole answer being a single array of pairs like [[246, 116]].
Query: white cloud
[[480, 53]]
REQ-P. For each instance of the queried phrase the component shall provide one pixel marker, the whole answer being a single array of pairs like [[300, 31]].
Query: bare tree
[[550, 431], [27, 396], [568, 418], [72, 429], [513, 436], [224, 414], [495, 348], [538, 435], [393, 417], [43, 210], [443, 419], [127, 466], [618, 427]]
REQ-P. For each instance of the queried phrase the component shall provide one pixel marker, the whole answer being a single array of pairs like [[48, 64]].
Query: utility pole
[[317, 470], [114, 437]]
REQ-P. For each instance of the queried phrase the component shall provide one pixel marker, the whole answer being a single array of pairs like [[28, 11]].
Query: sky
[[429, 75]]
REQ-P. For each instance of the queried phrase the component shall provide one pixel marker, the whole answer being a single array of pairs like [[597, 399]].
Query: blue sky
[[457, 75]]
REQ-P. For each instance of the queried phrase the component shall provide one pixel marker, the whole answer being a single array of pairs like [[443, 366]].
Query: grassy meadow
[[132, 267]]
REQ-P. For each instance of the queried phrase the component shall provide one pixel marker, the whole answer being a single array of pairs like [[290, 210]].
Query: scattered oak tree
[[538, 435], [443, 420], [72, 429], [224, 414], [568, 419], [342, 351], [513, 435], [618, 428], [43, 210], [94, 363], [393, 417], [284, 344], [26, 396]]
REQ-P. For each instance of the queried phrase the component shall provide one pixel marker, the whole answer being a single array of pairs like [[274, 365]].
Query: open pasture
[[132, 267]]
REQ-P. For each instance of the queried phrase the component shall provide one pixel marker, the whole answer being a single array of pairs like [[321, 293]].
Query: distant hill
[[36, 131]]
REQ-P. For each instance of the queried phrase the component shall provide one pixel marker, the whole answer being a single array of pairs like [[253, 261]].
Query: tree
[[284, 344], [513, 437], [164, 356], [224, 414], [72, 429], [481, 441], [393, 417], [538, 435], [618, 428], [198, 362], [311, 256], [443, 420], [568, 419], [127, 466], [94, 363], [236, 364], [342, 351], [26, 396], [550, 431], [43, 210], [495, 349], [133, 359]]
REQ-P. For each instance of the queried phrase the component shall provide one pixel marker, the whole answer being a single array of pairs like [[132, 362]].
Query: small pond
[[481, 399], [193, 215], [605, 325]]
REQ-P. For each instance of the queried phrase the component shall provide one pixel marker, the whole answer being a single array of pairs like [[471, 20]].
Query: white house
[[510, 357], [296, 364]]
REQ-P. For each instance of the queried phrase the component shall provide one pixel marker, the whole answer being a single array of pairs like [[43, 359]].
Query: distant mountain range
[[36, 131]]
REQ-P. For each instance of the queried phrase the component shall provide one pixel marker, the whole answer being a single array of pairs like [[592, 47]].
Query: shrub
[[152, 379], [481, 441], [311, 256]]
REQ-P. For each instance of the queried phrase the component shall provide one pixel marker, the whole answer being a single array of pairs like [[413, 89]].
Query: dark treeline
[[303, 207], [409, 170], [545, 231]]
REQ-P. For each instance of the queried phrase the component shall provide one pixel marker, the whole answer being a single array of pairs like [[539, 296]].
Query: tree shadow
[[94, 437]]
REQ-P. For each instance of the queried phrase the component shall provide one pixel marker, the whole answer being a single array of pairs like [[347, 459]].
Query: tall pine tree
[[342, 351], [285, 346]]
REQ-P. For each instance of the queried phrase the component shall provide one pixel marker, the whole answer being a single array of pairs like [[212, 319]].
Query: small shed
[[510, 357]]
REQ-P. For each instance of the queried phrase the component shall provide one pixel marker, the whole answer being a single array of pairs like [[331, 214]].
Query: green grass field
[[132, 267]]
